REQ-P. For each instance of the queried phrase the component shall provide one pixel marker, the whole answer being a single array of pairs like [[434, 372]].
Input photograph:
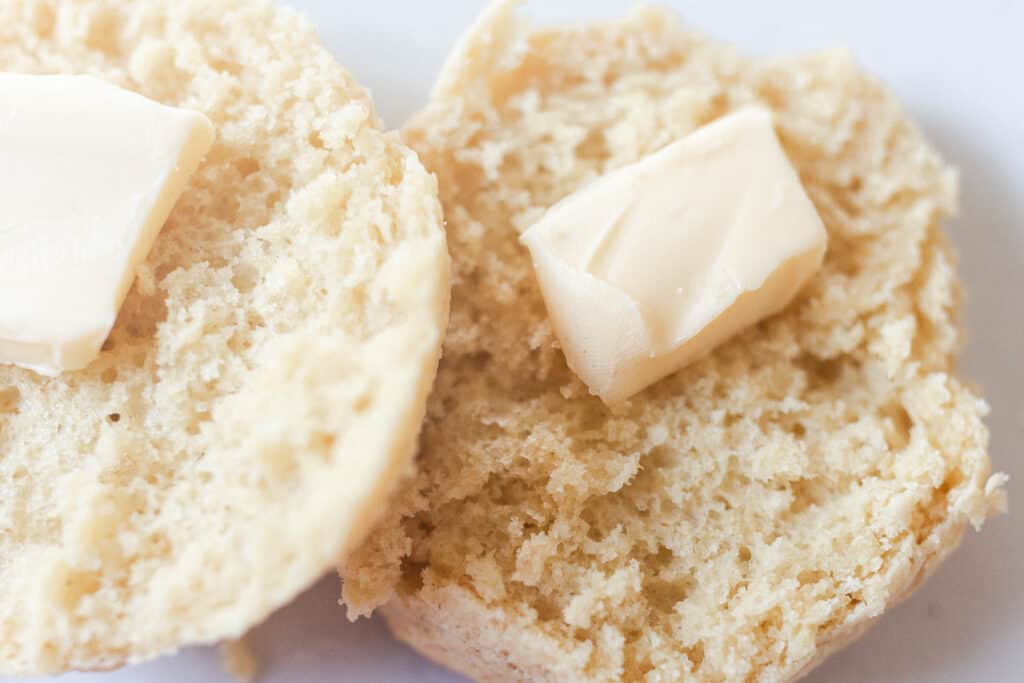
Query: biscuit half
[[263, 388], [743, 518]]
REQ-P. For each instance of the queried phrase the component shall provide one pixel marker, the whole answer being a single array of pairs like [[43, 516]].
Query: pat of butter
[[655, 264], [89, 175]]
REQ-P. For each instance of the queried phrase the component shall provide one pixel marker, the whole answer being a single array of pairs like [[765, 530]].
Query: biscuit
[[742, 518], [262, 390]]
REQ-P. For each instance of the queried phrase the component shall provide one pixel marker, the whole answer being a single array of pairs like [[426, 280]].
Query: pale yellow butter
[[655, 264], [89, 175]]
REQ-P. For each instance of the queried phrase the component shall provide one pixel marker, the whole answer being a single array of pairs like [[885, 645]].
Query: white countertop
[[957, 66]]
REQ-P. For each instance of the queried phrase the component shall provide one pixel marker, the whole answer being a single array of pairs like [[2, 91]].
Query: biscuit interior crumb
[[239, 660], [264, 384]]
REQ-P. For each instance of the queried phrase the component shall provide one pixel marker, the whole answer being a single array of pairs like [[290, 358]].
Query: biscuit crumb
[[262, 389], [239, 660]]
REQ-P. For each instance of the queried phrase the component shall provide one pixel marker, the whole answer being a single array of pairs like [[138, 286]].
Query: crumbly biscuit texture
[[262, 390], [742, 518], [239, 660]]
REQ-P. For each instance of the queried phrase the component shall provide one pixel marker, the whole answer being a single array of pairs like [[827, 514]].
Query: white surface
[[956, 65]]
